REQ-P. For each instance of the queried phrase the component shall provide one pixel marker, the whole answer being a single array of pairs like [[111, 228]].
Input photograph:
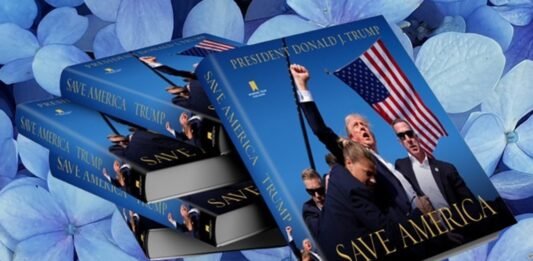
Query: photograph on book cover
[[154, 87], [353, 153]]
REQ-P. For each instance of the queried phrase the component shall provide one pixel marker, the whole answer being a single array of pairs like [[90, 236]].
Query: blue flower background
[[475, 54]]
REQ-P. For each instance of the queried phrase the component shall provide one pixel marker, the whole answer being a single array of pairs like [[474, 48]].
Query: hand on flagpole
[[300, 75]]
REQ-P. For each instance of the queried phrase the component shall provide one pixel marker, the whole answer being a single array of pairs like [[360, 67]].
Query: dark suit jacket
[[351, 211], [389, 189], [311, 215], [450, 184]]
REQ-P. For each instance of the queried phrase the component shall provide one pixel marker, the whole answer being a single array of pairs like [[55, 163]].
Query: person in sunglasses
[[311, 208], [438, 180]]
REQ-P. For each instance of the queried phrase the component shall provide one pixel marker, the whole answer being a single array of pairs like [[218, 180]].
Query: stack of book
[[138, 130], [242, 135]]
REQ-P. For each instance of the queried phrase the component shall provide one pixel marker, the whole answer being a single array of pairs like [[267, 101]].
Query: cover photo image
[[353, 153]]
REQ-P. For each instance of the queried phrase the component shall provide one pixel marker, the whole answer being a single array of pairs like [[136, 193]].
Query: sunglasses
[[409, 133], [320, 191]]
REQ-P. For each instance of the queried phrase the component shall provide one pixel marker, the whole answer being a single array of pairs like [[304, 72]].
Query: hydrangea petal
[[33, 156], [152, 20], [280, 26], [525, 136], [30, 211], [80, 206], [513, 184], [6, 102], [106, 42], [106, 10], [514, 156], [460, 68], [49, 246], [260, 9], [515, 243], [278, 253], [62, 26], [16, 43], [123, 236], [85, 43], [29, 91], [6, 126], [9, 159], [520, 48], [21, 12], [512, 99], [516, 15], [3, 182], [6, 240], [25, 181], [94, 242], [5, 253], [474, 254], [458, 7], [62, 3], [486, 21], [205, 18], [451, 24], [17, 71], [50, 61], [484, 134], [510, 2]]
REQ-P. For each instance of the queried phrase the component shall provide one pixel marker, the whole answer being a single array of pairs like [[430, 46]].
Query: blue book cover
[[147, 165], [354, 155], [154, 87]]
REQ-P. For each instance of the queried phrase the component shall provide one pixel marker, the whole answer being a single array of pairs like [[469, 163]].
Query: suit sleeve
[[311, 219], [458, 184], [172, 71], [370, 215], [295, 250], [321, 130]]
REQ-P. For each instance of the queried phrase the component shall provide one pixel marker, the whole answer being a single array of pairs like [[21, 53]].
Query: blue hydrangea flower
[[53, 224], [8, 147], [21, 12], [479, 17], [517, 12], [493, 131], [460, 68], [315, 14], [44, 56], [280, 253], [33, 156], [206, 17], [133, 24], [124, 238], [515, 242], [513, 185]]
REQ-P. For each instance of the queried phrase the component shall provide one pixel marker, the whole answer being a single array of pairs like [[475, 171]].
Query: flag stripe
[[396, 89], [410, 89], [393, 103], [217, 45]]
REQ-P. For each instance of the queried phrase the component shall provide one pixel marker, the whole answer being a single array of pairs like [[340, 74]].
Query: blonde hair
[[355, 152], [310, 173]]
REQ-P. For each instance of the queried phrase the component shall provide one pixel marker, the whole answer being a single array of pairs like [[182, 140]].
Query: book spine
[[62, 139], [117, 100], [241, 132], [85, 176]]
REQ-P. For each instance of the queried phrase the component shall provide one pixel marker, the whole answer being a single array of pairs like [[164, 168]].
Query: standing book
[[289, 103], [147, 165]]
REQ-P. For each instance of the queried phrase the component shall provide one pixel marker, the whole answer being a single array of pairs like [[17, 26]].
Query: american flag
[[378, 79], [206, 47]]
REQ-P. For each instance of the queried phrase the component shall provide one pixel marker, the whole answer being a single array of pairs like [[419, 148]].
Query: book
[[162, 243], [153, 87], [226, 215], [401, 183], [147, 165]]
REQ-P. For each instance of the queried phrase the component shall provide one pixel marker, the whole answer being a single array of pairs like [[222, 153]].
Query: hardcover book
[[226, 215], [153, 87], [162, 243], [348, 102], [147, 165]]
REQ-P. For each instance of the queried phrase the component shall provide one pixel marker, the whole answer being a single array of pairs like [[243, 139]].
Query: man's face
[[363, 170], [360, 132], [307, 245], [314, 187], [408, 138]]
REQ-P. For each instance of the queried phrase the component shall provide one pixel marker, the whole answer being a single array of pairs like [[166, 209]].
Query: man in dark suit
[[438, 180], [393, 189], [306, 253], [311, 208], [191, 220], [351, 208]]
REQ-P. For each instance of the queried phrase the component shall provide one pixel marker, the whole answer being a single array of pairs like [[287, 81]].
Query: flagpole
[[299, 109]]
